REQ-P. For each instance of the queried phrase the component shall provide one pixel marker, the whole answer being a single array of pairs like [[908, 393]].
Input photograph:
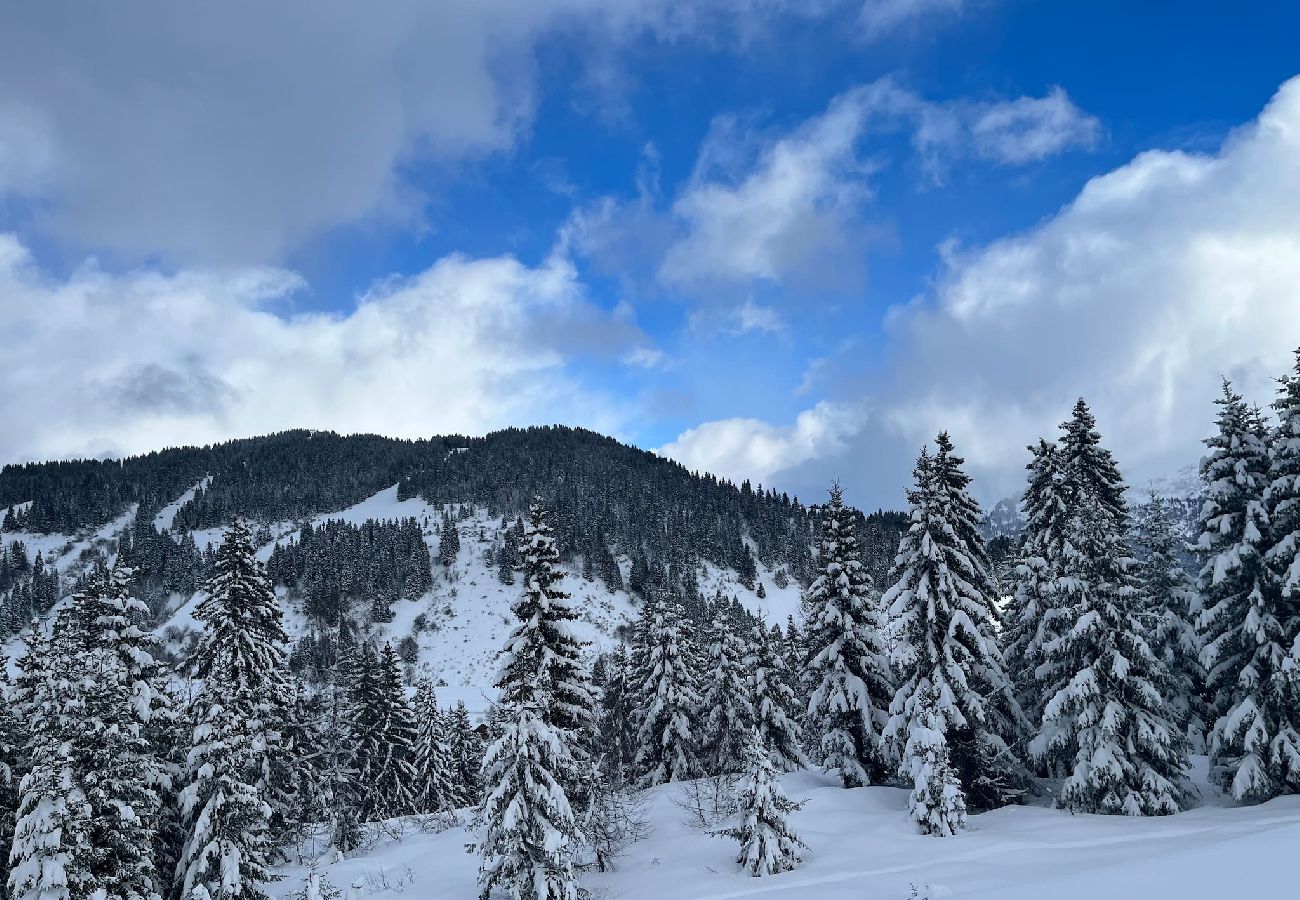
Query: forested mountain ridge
[[624, 518]]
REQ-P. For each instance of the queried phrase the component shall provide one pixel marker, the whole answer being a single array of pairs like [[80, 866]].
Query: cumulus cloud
[[1159, 278], [798, 212], [751, 448], [123, 363], [791, 213]]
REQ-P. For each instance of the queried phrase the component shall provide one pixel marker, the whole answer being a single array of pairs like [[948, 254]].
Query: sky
[[783, 241]]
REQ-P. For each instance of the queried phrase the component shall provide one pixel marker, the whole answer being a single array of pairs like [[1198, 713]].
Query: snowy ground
[[863, 846]]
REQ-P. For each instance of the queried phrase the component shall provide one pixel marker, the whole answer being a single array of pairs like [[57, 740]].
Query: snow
[[862, 844], [167, 515]]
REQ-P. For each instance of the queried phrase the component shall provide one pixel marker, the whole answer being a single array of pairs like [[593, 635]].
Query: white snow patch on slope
[[167, 515]]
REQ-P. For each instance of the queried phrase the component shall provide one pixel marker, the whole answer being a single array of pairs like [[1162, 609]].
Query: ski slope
[[863, 847]]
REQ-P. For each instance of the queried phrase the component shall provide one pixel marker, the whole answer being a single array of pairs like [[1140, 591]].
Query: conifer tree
[[433, 791], [1030, 625], [528, 831], [617, 722], [545, 635], [667, 694], [13, 739], [1171, 607], [775, 706], [528, 826], [1252, 741], [115, 688], [1282, 566], [1105, 721], [847, 669], [944, 618], [1233, 583], [51, 857], [726, 707], [767, 844], [937, 803], [466, 755], [384, 737], [240, 663]]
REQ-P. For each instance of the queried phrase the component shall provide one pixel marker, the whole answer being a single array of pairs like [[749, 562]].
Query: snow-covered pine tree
[[1037, 565], [1243, 640], [667, 695], [527, 823], [767, 844], [545, 636], [774, 703], [52, 853], [847, 669], [382, 748], [937, 803], [1282, 562], [527, 826], [113, 690], [433, 791], [945, 624], [1171, 607], [13, 739], [1105, 721], [616, 722], [726, 707], [230, 774], [466, 755]]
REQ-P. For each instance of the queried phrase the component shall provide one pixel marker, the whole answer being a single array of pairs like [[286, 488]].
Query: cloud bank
[[1156, 280], [106, 364]]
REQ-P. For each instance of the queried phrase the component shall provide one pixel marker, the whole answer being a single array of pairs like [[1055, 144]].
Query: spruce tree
[[13, 740], [466, 756], [667, 695], [726, 707], [1172, 605], [1105, 722], [767, 844], [775, 705], [1030, 627], [52, 853], [616, 724], [1252, 741], [545, 639], [384, 737], [847, 669], [115, 688], [528, 827], [230, 777], [944, 618], [1282, 566], [937, 803], [433, 791]]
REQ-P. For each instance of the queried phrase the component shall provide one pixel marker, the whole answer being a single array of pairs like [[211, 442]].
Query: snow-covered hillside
[[864, 847], [462, 621]]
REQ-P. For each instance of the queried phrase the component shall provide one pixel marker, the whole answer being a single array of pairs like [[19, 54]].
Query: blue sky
[[779, 241]]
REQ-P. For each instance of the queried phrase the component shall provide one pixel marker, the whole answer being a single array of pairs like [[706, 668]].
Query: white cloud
[[883, 17], [1031, 128], [791, 212], [235, 131], [751, 448], [1159, 278], [796, 214], [103, 363]]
